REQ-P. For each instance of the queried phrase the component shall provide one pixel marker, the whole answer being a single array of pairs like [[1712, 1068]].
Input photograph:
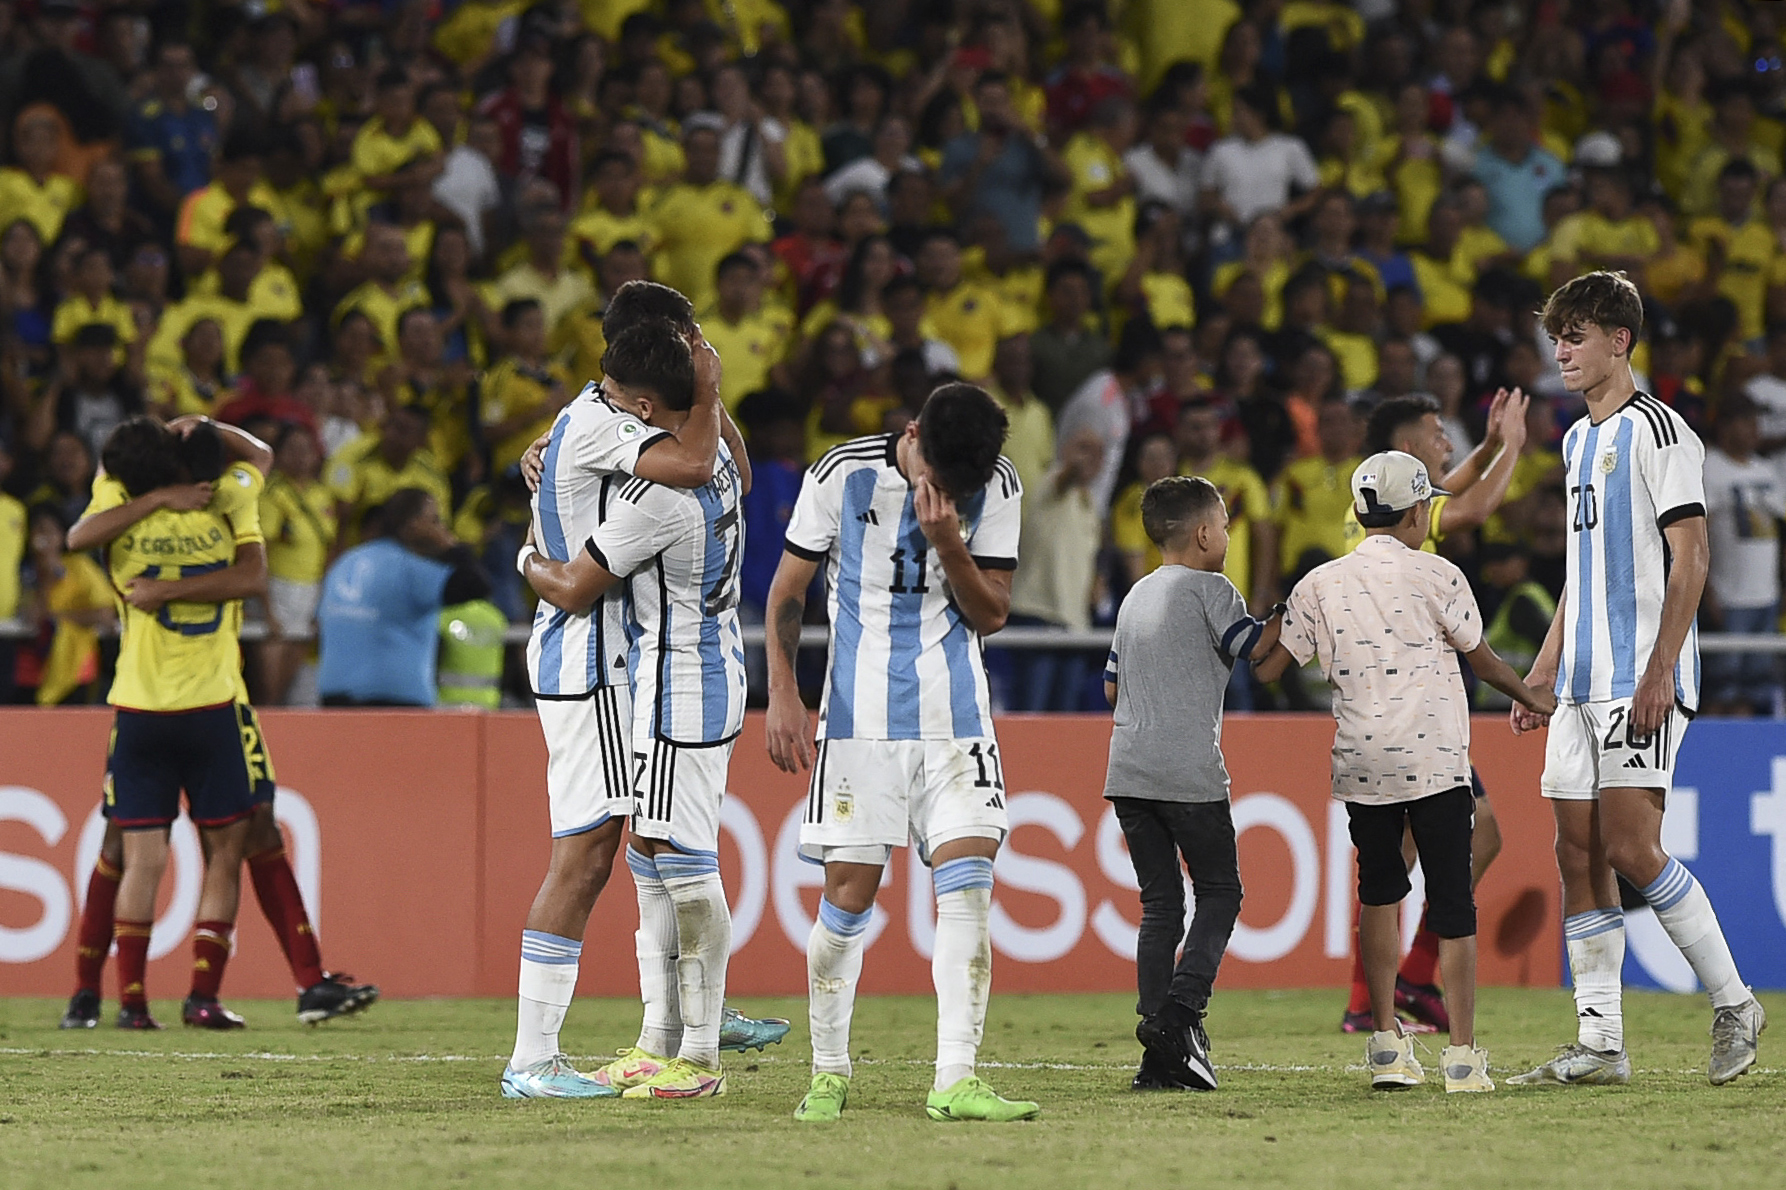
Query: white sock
[[656, 942], [704, 931], [1686, 913], [833, 964], [548, 981], [961, 964], [1596, 944]]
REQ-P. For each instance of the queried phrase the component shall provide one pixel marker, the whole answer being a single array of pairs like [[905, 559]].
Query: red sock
[[210, 954], [277, 891], [1361, 990], [1422, 964], [94, 941], [133, 962]]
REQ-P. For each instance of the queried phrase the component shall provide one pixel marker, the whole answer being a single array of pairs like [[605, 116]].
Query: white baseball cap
[[1389, 482]]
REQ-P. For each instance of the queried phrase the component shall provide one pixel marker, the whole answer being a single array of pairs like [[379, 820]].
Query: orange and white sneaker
[[681, 1079], [633, 1067]]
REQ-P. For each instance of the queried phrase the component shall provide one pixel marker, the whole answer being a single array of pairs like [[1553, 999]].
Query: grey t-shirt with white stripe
[[1177, 637]]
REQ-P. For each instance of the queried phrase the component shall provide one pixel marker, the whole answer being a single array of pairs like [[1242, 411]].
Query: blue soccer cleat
[[554, 1078], [739, 1033]]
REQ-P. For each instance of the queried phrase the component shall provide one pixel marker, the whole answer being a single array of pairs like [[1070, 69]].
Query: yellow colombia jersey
[[1355, 531], [299, 526], [1310, 502], [187, 655]]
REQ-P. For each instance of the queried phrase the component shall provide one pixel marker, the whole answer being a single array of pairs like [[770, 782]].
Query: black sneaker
[[209, 1014], [136, 1018], [1174, 1036], [83, 1010], [1155, 1076], [336, 995]]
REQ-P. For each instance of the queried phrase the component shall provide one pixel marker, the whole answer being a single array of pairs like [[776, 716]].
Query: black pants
[[1442, 825], [1158, 833]]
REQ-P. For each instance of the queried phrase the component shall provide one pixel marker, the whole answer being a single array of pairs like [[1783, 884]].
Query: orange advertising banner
[[419, 840]]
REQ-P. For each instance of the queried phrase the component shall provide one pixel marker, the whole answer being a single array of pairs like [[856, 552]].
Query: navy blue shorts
[[216, 754]]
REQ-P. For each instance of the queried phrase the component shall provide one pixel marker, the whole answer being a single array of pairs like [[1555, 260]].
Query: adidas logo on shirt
[[869, 517]]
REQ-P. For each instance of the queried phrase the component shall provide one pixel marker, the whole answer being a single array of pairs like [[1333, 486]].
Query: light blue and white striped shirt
[[905, 664], [1628, 478], [680, 551], [594, 446]]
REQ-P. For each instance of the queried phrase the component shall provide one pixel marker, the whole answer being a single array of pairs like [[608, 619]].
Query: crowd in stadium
[[1170, 236]]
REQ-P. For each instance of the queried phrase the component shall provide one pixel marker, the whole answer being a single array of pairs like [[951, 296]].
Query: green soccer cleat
[[633, 1067], [681, 1079], [824, 1100], [972, 1099], [740, 1034]]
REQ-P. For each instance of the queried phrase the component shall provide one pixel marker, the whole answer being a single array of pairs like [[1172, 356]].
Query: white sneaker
[[1466, 1069], [1735, 1032], [1578, 1066], [1392, 1063]]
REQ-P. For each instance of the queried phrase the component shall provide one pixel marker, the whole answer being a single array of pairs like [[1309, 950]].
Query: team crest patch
[[1609, 462], [843, 805]]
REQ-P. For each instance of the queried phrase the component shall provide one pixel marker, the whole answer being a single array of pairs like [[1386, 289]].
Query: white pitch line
[[764, 1059]]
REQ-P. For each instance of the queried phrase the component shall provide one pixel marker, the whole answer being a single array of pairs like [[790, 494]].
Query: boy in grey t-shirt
[[1177, 637]]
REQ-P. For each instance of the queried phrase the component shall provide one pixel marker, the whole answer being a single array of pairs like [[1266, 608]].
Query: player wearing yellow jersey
[[1475, 489], [184, 719]]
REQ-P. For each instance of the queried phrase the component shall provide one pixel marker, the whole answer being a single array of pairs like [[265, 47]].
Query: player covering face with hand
[[678, 552], [917, 532]]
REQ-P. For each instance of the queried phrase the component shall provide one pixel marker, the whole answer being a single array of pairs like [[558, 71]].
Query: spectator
[[95, 394], [1029, 444], [389, 291], [1517, 172], [1164, 167], [703, 218], [751, 344], [1744, 503], [808, 252], [524, 392], [542, 277], [265, 387], [904, 304], [1768, 393], [92, 302], [1084, 78], [31, 189], [1257, 169], [1156, 458], [536, 136], [106, 221], [752, 144], [380, 609], [297, 516], [1610, 234], [968, 318], [1310, 497], [1066, 348], [1104, 403], [871, 174], [468, 184], [367, 471], [1053, 588], [1252, 550], [1379, 231], [1446, 381], [860, 301], [76, 596], [1516, 614], [170, 138], [422, 377], [1102, 199], [910, 200], [1742, 256], [865, 94], [1002, 169]]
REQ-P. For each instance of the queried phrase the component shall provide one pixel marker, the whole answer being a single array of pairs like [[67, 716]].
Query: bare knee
[[1638, 860], [852, 887]]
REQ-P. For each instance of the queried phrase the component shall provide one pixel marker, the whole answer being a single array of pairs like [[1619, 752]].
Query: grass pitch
[[406, 1096]]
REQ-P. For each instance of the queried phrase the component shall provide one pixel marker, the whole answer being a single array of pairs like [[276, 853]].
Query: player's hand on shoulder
[[533, 463], [788, 729], [185, 497]]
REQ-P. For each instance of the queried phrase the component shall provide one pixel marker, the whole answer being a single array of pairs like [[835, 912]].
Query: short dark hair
[[201, 453], [641, 301], [653, 355], [1176, 505], [899, 283], [961, 431], [511, 313], [1388, 418], [734, 260], [1739, 167], [403, 506], [610, 157], [265, 332], [1606, 300], [1067, 267], [139, 454]]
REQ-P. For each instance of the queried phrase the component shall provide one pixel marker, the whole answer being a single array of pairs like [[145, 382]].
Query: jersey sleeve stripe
[[800, 551], [1649, 415], [989, 563], [1683, 512], [1666, 416], [862, 449], [650, 442]]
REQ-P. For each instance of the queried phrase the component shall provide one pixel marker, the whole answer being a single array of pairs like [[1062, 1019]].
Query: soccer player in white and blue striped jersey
[[918, 535], [678, 552], [1624, 659], [577, 667]]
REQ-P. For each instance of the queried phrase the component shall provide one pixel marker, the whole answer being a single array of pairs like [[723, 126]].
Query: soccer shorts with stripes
[[588, 758], [867, 797], [1592, 746], [678, 791]]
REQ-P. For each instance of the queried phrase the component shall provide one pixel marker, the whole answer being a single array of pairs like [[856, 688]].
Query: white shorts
[[678, 791], [870, 796], [292, 606], [587, 773], [1591, 747]]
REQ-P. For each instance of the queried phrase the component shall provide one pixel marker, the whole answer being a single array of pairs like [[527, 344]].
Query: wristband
[[527, 551], [1277, 609]]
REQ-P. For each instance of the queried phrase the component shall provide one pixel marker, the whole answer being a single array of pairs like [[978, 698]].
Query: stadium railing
[[813, 636]]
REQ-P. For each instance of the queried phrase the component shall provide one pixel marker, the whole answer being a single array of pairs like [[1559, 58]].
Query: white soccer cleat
[[1466, 1069], [1393, 1066], [1578, 1066], [1736, 1033]]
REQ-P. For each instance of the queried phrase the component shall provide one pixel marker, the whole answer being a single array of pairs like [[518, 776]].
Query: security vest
[[470, 673], [1516, 650]]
